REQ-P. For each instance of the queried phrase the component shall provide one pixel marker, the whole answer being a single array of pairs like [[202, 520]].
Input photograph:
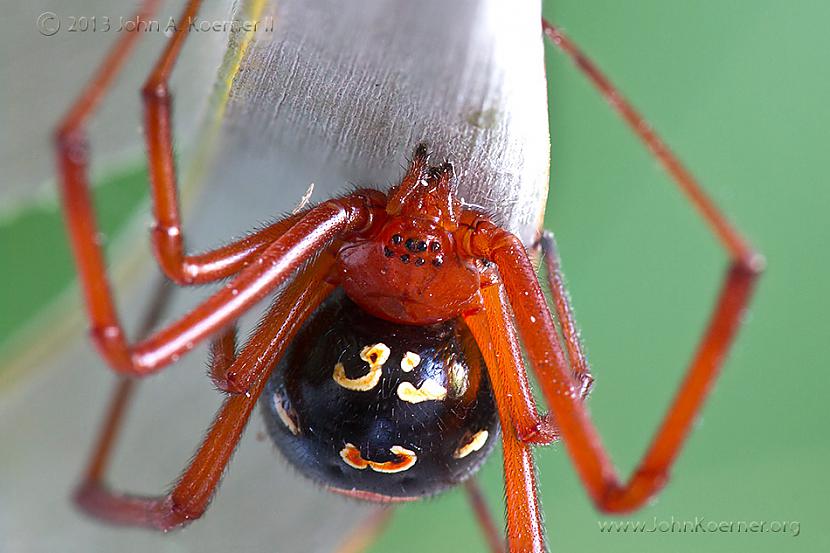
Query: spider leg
[[545, 351], [73, 150], [525, 530], [734, 243], [494, 536], [223, 352], [167, 236], [279, 249], [497, 340], [366, 533], [314, 231], [192, 493], [237, 378], [540, 336], [562, 393], [493, 330], [580, 370], [125, 389]]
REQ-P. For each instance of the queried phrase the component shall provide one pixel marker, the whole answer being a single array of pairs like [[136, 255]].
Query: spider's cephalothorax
[[411, 269], [381, 411]]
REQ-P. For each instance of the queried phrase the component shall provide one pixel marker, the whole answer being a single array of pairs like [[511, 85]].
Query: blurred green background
[[739, 90]]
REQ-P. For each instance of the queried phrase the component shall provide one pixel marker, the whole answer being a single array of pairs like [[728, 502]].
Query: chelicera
[[392, 359]]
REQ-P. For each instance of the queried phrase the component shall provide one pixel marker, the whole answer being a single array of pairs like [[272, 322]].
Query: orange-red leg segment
[[279, 249], [525, 531], [580, 369], [503, 356], [73, 152], [275, 264], [548, 359], [191, 495], [167, 236], [492, 533], [562, 392], [367, 532], [731, 239]]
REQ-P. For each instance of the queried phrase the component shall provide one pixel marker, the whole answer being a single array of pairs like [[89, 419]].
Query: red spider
[[406, 279]]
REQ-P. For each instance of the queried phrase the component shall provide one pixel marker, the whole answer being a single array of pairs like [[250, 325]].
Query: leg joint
[[751, 263], [156, 91]]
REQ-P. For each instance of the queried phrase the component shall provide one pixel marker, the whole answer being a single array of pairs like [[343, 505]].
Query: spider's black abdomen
[[378, 410]]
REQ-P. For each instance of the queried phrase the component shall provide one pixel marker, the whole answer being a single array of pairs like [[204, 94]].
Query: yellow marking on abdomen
[[284, 416], [476, 442], [410, 361], [429, 391], [352, 457], [376, 355], [458, 380]]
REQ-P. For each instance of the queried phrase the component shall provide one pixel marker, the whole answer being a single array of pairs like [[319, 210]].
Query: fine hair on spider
[[397, 334]]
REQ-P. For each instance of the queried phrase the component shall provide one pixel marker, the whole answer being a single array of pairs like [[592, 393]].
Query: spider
[[391, 358]]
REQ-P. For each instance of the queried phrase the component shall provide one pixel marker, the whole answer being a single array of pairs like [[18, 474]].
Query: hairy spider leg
[[562, 393], [556, 284], [368, 532], [72, 145], [190, 496], [494, 332], [541, 340], [493, 535], [745, 267], [124, 391], [167, 236], [525, 530], [737, 247], [279, 249]]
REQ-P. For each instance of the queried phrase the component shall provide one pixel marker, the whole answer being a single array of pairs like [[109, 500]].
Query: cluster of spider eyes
[[415, 246]]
